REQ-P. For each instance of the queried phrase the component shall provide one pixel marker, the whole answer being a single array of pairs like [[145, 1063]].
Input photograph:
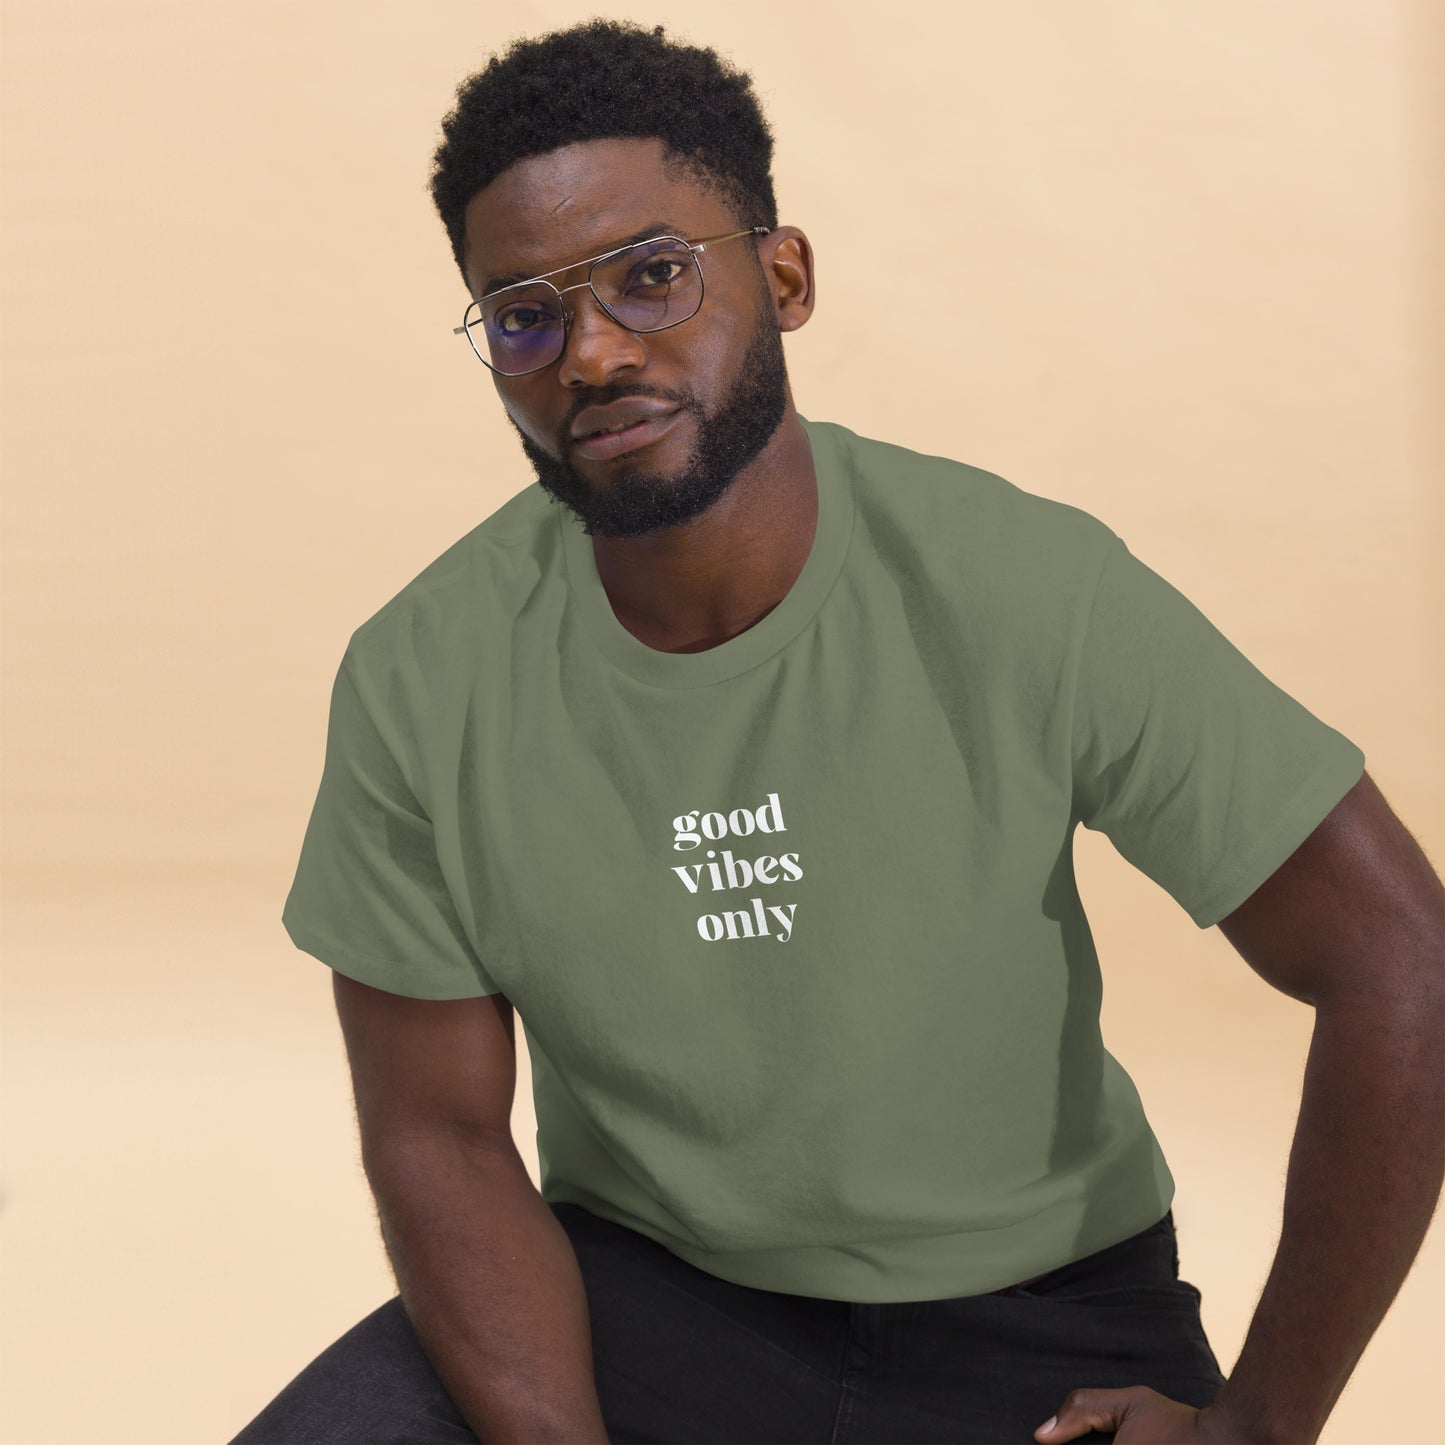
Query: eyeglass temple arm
[[718, 240]]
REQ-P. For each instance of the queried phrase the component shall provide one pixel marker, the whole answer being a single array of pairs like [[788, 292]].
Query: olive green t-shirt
[[791, 924]]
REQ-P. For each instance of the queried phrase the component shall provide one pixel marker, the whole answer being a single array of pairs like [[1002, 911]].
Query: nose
[[597, 346]]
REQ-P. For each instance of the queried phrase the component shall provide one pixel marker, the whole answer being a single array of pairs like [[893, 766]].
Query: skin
[[700, 535], [1352, 925]]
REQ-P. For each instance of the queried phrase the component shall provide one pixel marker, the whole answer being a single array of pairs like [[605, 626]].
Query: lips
[[640, 433], [630, 409]]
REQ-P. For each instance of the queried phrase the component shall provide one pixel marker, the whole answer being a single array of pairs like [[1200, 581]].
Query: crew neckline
[[831, 534]]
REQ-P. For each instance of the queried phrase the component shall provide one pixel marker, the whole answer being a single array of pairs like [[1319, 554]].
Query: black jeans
[[680, 1356]]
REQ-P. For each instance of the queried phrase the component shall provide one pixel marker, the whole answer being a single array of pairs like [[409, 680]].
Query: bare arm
[[487, 1276], [1354, 925]]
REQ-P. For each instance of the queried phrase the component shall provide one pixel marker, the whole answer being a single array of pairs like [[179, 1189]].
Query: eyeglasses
[[647, 286]]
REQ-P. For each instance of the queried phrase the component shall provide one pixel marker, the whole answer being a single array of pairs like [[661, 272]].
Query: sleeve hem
[[1304, 812], [378, 974]]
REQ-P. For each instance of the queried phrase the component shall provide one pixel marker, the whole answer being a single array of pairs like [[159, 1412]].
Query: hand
[[1139, 1416]]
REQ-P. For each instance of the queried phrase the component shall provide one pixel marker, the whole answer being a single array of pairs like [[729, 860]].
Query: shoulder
[[979, 531], [470, 590]]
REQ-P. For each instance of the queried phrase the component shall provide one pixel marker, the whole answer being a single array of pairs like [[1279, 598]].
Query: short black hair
[[600, 79]]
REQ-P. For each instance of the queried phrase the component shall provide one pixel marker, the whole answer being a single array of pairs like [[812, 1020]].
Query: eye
[[516, 319], [655, 272]]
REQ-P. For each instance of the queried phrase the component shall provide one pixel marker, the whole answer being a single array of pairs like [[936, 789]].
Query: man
[[742, 756]]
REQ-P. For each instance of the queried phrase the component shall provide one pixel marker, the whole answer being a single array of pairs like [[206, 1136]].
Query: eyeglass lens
[[647, 287]]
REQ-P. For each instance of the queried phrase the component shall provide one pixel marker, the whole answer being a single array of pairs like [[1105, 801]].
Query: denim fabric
[[682, 1356]]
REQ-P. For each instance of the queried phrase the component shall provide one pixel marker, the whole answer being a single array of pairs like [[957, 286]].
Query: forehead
[[577, 201]]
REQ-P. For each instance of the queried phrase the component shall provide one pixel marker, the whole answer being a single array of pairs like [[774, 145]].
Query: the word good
[[692, 828]]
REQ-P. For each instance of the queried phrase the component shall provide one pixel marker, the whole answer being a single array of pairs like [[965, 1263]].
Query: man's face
[[723, 369]]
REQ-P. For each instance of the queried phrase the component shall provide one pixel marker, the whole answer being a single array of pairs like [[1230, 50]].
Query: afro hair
[[601, 79]]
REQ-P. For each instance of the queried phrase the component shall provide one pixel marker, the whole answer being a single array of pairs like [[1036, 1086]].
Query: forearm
[[1365, 1172], [491, 1284]]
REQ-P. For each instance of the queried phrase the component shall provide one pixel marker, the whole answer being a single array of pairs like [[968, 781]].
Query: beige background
[[1189, 261]]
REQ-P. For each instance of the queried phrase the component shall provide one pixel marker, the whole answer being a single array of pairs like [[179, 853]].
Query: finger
[[1085, 1410]]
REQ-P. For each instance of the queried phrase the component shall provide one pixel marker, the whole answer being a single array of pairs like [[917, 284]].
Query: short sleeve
[[368, 897], [1202, 772]]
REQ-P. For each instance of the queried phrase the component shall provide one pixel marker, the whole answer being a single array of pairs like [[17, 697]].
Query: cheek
[[730, 320], [731, 333], [703, 361], [516, 413]]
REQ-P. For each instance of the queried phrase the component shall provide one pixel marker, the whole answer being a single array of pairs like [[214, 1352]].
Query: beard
[[635, 501]]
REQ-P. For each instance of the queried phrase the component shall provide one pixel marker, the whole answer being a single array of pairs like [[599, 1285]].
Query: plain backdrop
[[1186, 267]]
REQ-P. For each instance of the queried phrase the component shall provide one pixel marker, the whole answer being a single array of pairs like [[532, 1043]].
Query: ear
[[787, 258]]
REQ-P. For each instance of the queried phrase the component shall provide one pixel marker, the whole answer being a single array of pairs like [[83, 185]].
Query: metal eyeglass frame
[[592, 263]]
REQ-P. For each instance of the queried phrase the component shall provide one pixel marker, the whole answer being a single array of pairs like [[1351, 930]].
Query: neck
[[692, 587]]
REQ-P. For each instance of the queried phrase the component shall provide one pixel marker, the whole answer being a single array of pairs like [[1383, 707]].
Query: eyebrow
[[657, 228]]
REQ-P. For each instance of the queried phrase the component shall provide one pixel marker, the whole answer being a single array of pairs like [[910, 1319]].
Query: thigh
[[373, 1386], [992, 1368], [681, 1356]]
